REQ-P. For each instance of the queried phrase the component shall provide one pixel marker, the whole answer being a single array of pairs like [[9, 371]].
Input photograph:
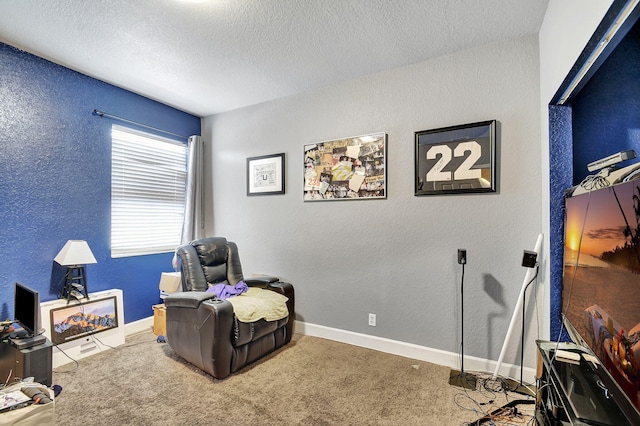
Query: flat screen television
[[69, 323], [27, 310], [601, 283]]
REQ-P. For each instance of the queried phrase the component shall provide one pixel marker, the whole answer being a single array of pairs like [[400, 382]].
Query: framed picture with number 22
[[456, 159]]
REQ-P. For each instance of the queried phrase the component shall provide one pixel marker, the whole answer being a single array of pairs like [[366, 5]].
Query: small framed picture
[[265, 175], [456, 160]]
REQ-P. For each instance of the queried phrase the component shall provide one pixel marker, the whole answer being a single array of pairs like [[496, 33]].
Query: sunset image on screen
[[594, 226], [601, 278]]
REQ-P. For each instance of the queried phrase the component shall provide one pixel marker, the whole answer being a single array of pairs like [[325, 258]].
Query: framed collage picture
[[456, 160], [352, 168]]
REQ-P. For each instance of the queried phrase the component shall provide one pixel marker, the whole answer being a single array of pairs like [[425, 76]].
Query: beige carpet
[[311, 381]]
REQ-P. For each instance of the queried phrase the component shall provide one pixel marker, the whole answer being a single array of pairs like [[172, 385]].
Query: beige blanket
[[257, 303]]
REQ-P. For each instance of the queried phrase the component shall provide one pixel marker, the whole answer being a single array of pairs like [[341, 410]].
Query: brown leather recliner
[[203, 329]]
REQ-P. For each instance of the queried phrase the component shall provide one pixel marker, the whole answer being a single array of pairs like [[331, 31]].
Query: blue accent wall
[[55, 178], [560, 174], [606, 112], [603, 119]]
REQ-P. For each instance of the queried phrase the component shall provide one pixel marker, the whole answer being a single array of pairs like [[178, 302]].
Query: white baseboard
[[395, 347], [410, 350], [143, 324]]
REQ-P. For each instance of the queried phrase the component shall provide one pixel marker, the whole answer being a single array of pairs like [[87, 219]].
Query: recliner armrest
[[188, 299], [262, 281]]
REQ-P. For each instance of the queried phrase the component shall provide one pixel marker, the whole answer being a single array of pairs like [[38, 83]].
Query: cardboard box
[[159, 320]]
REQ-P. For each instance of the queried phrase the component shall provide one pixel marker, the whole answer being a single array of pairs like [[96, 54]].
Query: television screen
[[600, 297], [27, 309], [74, 322]]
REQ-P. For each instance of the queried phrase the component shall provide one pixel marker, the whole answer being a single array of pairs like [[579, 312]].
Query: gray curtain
[[193, 225]]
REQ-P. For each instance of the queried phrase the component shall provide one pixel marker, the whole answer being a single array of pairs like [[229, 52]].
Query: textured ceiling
[[212, 56]]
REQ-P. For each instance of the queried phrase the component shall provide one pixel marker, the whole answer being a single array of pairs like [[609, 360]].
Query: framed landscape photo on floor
[[456, 160], [265, 175], [352, 168]]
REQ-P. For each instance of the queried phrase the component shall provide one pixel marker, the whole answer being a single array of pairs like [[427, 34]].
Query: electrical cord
[[92, 335], [535, 301], [462, 321], [77, 365], [597, 181], [6, 382], [75, 362], [524, 307], [483, 400]]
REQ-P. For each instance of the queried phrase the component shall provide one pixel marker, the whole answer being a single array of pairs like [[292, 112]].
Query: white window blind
[[148, 178]]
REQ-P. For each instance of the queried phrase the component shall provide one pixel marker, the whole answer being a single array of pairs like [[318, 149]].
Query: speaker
[[36, 362], [529, 259]]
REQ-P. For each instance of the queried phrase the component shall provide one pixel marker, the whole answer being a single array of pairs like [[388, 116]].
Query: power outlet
[[372, 320], [462, 256]]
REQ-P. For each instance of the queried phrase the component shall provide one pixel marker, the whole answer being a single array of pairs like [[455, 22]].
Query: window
[[148, 178]]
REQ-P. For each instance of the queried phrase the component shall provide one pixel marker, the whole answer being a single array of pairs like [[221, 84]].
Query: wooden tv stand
[[578, 391]]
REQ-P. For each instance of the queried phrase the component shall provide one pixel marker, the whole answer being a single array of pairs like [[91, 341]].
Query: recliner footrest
[[246, 332]]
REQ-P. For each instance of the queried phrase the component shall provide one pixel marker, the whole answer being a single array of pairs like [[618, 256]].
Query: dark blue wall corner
[[606, 112], [603, 118], [560, 174], [55, 171]]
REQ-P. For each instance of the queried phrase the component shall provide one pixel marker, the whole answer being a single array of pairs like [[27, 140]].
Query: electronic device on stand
[[27, 357], [530, 261], [575, 389], [24, 351], [600, 302], [462, 378]]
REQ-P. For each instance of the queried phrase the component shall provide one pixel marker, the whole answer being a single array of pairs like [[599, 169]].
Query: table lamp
[[170, 282], [74, 255]]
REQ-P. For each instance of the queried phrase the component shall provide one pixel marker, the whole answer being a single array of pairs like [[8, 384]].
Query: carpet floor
[[311, 381]]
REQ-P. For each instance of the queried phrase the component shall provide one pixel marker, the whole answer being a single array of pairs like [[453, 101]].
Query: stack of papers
[[10, 399]]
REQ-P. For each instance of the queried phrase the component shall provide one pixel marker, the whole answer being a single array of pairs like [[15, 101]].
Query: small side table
[[160, 319]]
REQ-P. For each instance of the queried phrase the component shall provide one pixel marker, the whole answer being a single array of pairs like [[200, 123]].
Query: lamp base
[[463, 379], [75, 284]]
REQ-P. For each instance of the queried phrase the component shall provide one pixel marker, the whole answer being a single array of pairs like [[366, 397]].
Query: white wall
[[395, 257], [565, 31]]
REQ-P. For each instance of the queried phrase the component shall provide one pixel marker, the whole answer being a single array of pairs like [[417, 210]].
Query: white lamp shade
[[75, 252], [170, 281]]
